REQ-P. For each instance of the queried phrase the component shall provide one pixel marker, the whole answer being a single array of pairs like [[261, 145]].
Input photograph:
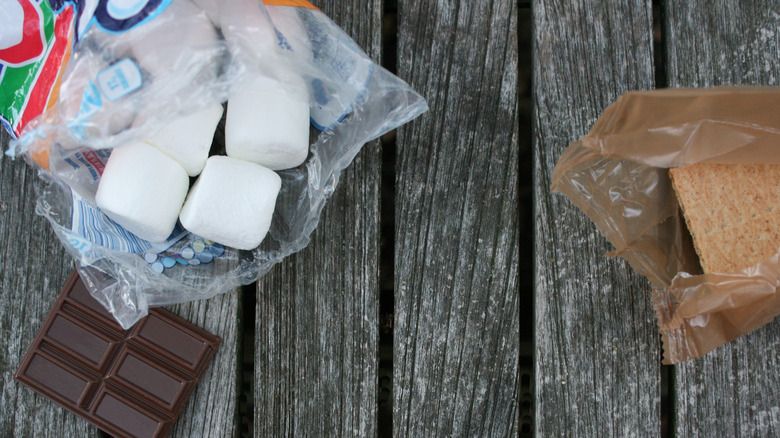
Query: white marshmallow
[[188, 139], [268, 123], [211, 8], [287, 20], [165, 42], [248, 31], [142, 189], [232, 202], [273, 43]]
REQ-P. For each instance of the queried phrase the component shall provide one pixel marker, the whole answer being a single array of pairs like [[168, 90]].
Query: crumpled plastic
[[618, 176], [129, 77]]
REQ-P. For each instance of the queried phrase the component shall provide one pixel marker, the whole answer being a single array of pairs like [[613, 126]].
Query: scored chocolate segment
[[87, 344], [67, 385], [135, 369], [130, 383], [121, 416], [80, 299], [184, 348]]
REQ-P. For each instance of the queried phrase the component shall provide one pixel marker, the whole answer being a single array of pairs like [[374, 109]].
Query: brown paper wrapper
[[618, 176]]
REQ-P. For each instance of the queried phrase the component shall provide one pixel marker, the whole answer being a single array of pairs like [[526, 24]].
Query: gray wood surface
[[33, 268], [455, 341], [597, 344], [212, 410], [317, 322], [733, 390]]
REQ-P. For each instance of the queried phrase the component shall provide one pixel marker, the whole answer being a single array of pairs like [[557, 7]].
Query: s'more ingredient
[[732, 212]]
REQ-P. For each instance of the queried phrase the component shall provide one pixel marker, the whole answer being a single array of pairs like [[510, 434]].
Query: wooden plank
[[456, 318], [317, 312], [33, 269], [597, 351], [212, 409], [732, 390]]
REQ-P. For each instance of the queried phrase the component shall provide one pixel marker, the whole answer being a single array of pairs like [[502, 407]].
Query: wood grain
[[732, 390], [317, 323], [212, 409], [33, 268], [597, 345], [456, 257]]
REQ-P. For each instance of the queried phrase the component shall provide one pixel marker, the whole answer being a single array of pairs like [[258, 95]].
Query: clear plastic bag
[[618, 176], [165, 74]]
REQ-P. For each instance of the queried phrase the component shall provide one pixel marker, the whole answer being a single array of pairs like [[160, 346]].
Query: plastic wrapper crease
[[618, 176]]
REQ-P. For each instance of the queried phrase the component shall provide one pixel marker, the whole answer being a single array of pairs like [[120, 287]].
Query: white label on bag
[[116, 81], [120, 79]]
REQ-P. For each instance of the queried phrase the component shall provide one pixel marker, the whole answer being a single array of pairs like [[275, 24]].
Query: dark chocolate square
[[129, 383]]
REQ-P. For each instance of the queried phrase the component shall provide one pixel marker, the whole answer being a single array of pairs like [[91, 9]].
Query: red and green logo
[[35, 43], [36, 40]]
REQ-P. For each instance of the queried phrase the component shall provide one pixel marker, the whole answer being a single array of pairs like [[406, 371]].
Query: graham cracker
[[732, 212]]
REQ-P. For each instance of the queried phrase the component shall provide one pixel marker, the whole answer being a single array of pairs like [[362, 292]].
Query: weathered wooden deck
[[409, 312], [401, 316]]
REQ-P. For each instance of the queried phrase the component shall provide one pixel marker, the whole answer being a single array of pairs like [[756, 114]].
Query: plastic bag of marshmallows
[[190, 144]]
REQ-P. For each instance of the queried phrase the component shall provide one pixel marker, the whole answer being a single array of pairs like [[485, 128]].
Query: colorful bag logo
[[36, 41], [30, 68], [22, 39], [122, 15]]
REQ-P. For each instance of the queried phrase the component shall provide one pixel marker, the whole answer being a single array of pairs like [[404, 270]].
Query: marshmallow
[[142, 189], [248, 31], [288, 22], [211, 8], [273, 43], [268, 123], [188, 139], [232, 202], [165, 46]]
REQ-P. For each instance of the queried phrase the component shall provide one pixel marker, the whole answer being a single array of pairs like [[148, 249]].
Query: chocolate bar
[[129, 383]]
